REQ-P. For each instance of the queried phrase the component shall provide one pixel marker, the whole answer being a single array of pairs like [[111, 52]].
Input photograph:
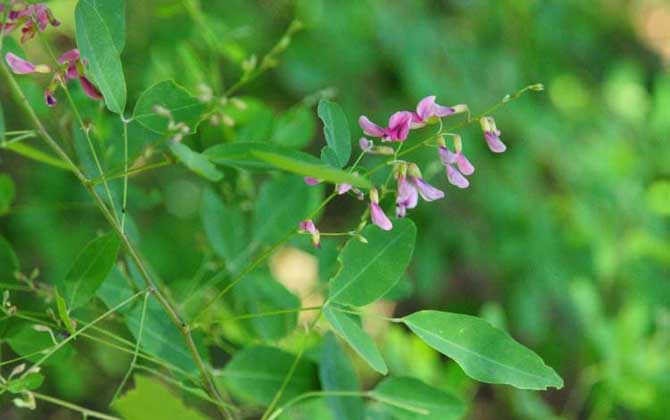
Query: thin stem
[[124, 203], [74, 407], [265, 314], [131, 172]]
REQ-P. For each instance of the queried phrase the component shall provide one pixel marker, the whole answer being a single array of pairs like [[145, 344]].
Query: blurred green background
[[563, 240]]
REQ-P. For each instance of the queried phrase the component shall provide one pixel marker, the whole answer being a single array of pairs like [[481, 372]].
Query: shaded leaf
[[29, 382], [336, 131], [196, 162], [295, 128], [337, 374], [240, 155], [9, 263], [434, 404], [183, 107], [7, 192], [61, 307], [225, 228]]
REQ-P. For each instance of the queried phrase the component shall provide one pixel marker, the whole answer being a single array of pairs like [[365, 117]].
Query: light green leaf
[[240, 155], [295, 128], [418, 400], [658, 197], [183, 107], [368, 271], [225, 228], [350, 330], [9, 263], [90, 269], [29, 382], [61, 306], [114, 14], [151, 400], [32, 153], [318, 171], [196, 162], [255, 374], [337, 374], [336, 130], [97, 32], [7, 192], [26, 341], [484, 352]]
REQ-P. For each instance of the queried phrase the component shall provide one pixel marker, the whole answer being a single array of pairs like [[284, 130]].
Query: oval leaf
[[183, 107], [346, 327], [336, 131], [196, 162], [337, 374], [484, 352], [417, 400], [97, 28], [368, 271]]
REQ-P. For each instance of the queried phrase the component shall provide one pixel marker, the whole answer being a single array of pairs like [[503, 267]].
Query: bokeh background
[[563, 240]]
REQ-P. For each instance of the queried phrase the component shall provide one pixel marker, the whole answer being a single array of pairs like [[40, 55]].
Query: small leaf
[[150, 400], [90, 269], [183, 107], [30, 152], [31, 381], [295, 128], [337, 374], [96, 22], [7, 191], [196, 162], [484, 352], [63, 313], [225, 228], [421, 401], [369, 271], [318, 171], [346, 327], [255, 374], [336, 131]]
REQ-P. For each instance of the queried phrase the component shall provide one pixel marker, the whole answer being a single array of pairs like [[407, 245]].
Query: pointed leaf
[[337, 374], [240, 155], [484, 352], [183, 107], [61, 306], [433, 403], [196, 162], [368, 271], [336, 130], [295, 128]]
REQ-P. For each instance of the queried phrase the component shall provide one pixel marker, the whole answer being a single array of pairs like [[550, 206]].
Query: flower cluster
[[409, 180], [32, 18]]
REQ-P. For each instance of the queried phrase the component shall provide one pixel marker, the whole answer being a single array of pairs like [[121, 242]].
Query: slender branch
[[74, 407], [124, 203], [131, 172]]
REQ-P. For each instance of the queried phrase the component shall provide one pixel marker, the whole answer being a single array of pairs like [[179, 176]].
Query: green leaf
[[97, 32], [7, 192], [255, 374], [336, 130], [350, 330], [183, 107], [61, 306], [414, 395], [295, 128], [151, 400], [2, 122], [259, 292], [240, 155], [35, 154], [225, 228], [29, 382], [484, 352], [26, 341], [9, 263], [90, 269], [658, 198], [318, 171], [196, 162], [368, 271], [337, 374]]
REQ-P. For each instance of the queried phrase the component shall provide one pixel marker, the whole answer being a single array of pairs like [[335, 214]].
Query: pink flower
[[407, 197], [31, 18], [397, 130], [70, 59], [311, 181], [366, 145], [308, 226], [492, 135], [428, 110], [427, 191], [21, 66], [89, 88], [345, 188], [455, 175], [377, 214]]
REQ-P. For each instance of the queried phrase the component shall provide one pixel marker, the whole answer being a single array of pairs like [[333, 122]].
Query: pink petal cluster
[[308, 226], [29, 17]]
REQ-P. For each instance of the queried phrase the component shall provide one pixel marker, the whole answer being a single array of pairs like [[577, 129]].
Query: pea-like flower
[[376, 213], [407, 196], [455, 174], [492, 135], [412, 185], [21, 66], [30, 17], [308, 226], [397, 130]]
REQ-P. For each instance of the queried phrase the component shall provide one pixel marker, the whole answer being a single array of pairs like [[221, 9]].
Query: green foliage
[[196, 162], [336, 131], [7, 192], [9, 262], [337, 374], [411, 399], [168, 95], [294, 128]]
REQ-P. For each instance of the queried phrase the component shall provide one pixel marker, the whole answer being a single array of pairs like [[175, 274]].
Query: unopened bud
[[162, 111], [382, 150], [538, 87], [460, 108], [238, 103], [374, 195], [228, 120], [361, 238], [249, 64], [42, 68], [215, 120]]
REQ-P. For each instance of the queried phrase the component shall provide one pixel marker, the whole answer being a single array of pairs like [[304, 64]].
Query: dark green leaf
[[61, 307], [350, 330], [295, 128], [336, 130], [9, 263], [196, 162], [29, 382], [7, 191], [240, 155], [414, 395], [337, 374], [183, 107], [484, 352], [368, 271], [90, 269], [225, 228]]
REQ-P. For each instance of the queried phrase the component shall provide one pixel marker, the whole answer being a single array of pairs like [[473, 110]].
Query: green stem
[[74, 407], [124, 203], [131, 172]]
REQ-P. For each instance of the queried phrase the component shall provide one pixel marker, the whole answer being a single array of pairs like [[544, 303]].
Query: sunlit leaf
[[337, 374], [411, 399], [31, 381]]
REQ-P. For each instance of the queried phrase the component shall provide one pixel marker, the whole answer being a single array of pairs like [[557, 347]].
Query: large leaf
[[256, 373], [351, 331], [240, 155], [225, 228], [183, 107], [9, 263], [99, 32], [337, 374], [7, 191], [336, 131], [295, 128], [484, 352], [90, 269], [151, 400], [369, 270], [196, 162], [434, 403]]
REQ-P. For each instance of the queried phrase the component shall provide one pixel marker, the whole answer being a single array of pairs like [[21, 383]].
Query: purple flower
[[397, 130], [407, 196], [309, 227], [89, 88], [21, 66], [70, 59], [345, 188], [377, 214], [49, 97], [455, 175], [25, 16], [427, 191], [492, 135], [428, 110], [366, 145], [311, 181], [412, 185]]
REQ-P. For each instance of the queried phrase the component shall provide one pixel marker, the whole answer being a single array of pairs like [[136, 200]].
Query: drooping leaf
[[167, 94], [350, 330], [368, 271], [90, 269], [97, 25], [426, 401], [225, 228], [261, 293], [336, 131], [151, 400], [255, 374], [7, 191], [61, 307], [196, 162], [484, 352], [337, 374], [295, 128], [9, 263]]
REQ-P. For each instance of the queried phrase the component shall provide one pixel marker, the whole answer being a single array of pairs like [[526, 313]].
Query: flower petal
[[447, 156], [425, 107], [370, 128], [456, 178], [427, 191], [365, 144], [399, 125], [89, 88], [464, 164], [69, 56], [494, 142], [49, 98], [311, 181], [379, 218], [19, 65], [342, 188], [443, 111], [407, 195]]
